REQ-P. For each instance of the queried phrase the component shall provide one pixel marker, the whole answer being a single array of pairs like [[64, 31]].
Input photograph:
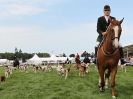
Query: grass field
[[49, 85]]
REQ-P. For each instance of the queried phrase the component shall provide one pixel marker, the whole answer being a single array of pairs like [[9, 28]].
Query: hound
[[2, 78], [22, 67], [82, 69], [123, 67], [63, 71], [36, 68], [8, 71]]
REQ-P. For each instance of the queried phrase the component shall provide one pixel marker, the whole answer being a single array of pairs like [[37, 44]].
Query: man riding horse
[[109, 51], [16, 62], [77, 60], [102, 25]]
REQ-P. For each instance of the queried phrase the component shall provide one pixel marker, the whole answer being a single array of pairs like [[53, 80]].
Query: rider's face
[[107, 12]]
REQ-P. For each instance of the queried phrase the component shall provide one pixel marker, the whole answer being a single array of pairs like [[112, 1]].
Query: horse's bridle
[[115, 38], [106, 53]]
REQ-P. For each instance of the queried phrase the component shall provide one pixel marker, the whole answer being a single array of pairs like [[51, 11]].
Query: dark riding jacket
[[102, 26]]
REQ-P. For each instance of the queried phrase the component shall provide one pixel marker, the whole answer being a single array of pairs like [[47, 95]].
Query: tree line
[[21, 55], [24, 56]]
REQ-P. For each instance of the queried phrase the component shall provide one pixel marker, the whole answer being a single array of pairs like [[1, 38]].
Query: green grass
[[49, 85]]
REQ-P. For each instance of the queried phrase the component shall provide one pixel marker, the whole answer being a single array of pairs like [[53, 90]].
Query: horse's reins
[[105, 52], [104, 38]]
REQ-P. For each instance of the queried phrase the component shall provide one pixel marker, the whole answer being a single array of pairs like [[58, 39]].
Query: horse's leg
[[113, 74], [107, 74], [66, 74], [102, 82], [88, 67], [80, 72], [122, 68], [96, 68], [84, 72], [77, 65], [125, 67]]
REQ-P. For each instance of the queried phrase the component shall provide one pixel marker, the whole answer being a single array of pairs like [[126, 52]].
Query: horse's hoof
[[113, 97], [106, 87], [99, 86], [101, 89]]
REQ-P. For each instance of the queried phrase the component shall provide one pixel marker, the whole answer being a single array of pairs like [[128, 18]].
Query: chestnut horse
[[108, 55]]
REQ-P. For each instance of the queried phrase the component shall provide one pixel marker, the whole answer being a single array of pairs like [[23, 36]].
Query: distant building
[[128, 50]]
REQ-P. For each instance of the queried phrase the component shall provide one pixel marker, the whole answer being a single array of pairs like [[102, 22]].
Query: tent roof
[[35, 57], [52, 56]]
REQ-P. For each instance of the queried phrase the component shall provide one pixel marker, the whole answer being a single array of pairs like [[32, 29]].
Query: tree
[[85, 54], [7, 55], [72, 55], [92, 54], [16, 53], [16, 50], [43, 54], [64, 55], [20, 54]]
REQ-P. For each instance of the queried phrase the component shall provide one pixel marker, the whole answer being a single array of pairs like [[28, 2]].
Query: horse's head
[[115, 29]]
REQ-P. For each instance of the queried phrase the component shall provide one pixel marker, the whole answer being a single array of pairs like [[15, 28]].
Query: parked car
[[129, 63]]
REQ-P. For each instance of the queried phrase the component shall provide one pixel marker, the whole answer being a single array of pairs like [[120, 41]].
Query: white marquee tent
[[53, 59], [4, 61], [34, 60]]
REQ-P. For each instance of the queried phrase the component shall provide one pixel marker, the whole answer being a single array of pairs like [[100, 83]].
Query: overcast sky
[[58, 26]]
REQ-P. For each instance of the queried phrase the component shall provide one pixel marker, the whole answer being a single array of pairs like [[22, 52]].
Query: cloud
[[20, 10], [33, 2], [70, 39], [48, 2], [21, 1], [73, 38], [80, 37], [22, 37], [126, 38], [25, 7]]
